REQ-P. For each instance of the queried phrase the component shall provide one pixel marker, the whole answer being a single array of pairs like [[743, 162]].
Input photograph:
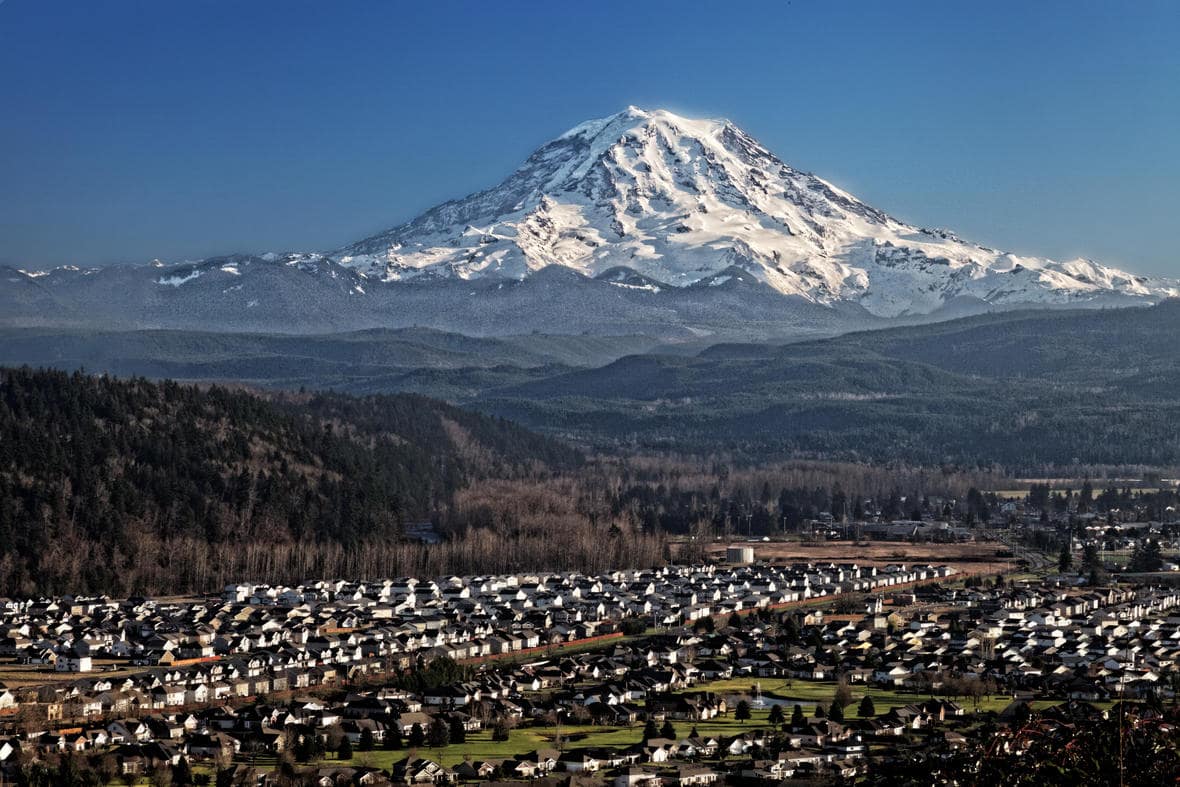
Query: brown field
[[973, 558], [16, 676]]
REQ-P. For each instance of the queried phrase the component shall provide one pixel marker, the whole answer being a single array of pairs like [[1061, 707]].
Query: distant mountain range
[[641, 223], [649, 281], [1028, 389]]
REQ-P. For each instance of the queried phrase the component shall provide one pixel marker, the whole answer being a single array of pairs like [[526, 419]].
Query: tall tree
[[438, 734], [417, 736], [798, 719]]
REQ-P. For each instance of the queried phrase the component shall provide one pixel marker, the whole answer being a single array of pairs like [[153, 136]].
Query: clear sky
[[184, 128]]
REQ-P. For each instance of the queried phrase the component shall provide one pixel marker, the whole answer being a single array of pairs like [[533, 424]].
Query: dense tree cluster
[[1132, 745], [1146, 556], [77, 770], [118, 485], [133, 486], [441, 671], [719, 498]]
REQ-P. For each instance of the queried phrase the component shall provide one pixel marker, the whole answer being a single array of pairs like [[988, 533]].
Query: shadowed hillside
[[1023, 389], [97, 474]]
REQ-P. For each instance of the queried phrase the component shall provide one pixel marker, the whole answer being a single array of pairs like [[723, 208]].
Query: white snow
[[626, 286], [177, 280], [680, 201]]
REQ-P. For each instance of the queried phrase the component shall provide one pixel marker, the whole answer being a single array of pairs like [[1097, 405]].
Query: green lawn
[[480, 746], [809, 692]]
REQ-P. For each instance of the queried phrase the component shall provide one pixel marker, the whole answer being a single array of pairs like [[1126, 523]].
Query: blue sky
[[133, 130]]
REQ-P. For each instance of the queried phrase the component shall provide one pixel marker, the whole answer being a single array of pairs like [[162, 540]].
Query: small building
[[73, 659], [739, 555]]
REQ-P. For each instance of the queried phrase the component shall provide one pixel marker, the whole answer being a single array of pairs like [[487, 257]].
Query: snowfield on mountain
[[681, 202], [642, 223]]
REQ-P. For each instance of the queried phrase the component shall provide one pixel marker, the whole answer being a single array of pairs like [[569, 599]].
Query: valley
[[1035, 391]]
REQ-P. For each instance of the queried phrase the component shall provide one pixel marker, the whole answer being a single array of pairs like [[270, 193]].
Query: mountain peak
[[633, 118], [631, 115], [682, 201]]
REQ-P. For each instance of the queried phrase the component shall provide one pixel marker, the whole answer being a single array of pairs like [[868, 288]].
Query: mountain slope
[[685, 202], [96, 473], [1025, 390], [298, 294], [639, 223], [442, 365]]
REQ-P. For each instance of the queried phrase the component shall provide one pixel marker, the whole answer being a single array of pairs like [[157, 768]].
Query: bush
[[633, 626]]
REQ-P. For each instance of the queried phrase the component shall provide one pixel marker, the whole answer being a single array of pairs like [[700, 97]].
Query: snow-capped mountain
[[677, 202], [642, 222]]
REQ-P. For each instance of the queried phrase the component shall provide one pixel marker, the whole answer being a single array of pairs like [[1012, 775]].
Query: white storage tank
[[739, 555]]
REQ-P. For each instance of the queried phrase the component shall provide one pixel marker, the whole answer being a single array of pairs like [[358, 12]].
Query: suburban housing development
[[615, 672]]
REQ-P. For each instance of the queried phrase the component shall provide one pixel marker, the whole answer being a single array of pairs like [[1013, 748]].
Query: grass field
[[524, 739], [480, 746], [1008, 494], [810, 692], [970, 558], [16, 676], [557, 651]]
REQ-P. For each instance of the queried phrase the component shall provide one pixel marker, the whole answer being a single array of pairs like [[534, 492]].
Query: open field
[[1061, 485], [18, 676], [480, 746], [809, 693], [1008, 494], [972, 558]]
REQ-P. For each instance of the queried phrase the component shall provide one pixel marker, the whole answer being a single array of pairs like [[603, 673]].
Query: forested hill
[[98, 473], [1029, 390]]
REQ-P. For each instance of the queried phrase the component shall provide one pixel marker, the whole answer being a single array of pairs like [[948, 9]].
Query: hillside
[[98, 475], [427, 361], [1026, 389], [1023, 389]]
